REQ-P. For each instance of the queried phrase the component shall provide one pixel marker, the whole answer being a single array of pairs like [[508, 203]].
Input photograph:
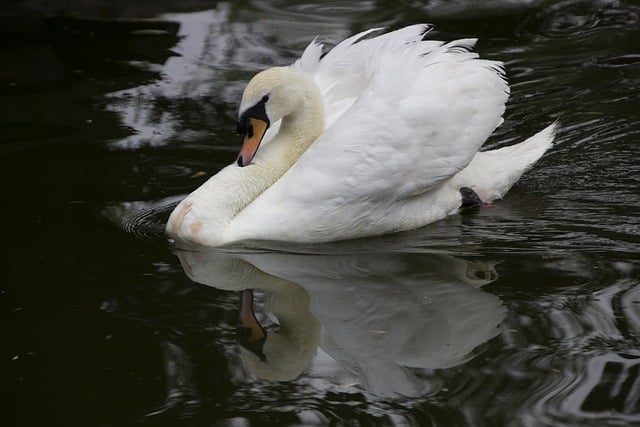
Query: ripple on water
[[143, 219], [604, 388], [593, 341], [569, 354], [580, 18]]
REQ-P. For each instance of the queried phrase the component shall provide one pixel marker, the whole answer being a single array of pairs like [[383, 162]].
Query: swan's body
[[377, 136]]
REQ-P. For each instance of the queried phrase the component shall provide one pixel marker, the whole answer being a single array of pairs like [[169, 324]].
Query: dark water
[[524, 314]]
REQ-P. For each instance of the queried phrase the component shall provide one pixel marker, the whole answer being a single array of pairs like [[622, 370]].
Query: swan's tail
[[492, 173]]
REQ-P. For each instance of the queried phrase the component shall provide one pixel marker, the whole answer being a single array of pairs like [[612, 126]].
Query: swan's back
[[346, 70]]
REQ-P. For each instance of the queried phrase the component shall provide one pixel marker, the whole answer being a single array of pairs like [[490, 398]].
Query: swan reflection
[[389, 318]]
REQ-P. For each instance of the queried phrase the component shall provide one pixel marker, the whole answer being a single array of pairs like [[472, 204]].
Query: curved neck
[[227, 193], [298, 130]]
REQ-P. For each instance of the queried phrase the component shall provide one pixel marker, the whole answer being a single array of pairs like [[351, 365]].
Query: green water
[[523, 314]]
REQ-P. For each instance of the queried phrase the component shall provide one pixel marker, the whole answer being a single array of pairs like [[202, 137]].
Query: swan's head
[[269, 96]]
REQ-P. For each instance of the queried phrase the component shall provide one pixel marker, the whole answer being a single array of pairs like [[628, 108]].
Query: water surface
[[526, 313]]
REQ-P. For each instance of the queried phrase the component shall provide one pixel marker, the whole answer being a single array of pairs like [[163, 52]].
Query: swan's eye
[[244, 126]]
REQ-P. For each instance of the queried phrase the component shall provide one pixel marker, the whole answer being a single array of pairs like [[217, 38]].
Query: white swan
[[377, 136]]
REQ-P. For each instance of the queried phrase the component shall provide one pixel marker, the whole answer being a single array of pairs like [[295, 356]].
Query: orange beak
[[255, 132]]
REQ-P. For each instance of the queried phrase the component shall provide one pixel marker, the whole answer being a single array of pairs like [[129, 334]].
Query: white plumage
[[377, 136]]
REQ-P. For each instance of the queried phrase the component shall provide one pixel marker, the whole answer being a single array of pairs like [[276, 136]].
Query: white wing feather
[[403, 115]]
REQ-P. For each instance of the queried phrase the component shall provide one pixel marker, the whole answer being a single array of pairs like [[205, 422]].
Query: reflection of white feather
[[392, 327], [382, 317], [287, 349]]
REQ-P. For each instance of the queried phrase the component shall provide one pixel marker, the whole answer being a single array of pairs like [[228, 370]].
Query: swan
[[382, 134]]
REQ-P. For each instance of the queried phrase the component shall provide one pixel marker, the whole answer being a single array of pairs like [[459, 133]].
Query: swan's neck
[[205, 215], [298, 130]]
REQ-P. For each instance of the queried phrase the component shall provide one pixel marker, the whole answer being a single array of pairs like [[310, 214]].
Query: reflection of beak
[[255, 132], [252, 335]]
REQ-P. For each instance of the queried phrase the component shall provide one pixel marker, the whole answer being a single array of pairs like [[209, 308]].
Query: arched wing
[[405, 116]]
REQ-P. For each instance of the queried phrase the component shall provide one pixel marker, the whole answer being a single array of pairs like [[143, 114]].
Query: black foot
[[470, 198]]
